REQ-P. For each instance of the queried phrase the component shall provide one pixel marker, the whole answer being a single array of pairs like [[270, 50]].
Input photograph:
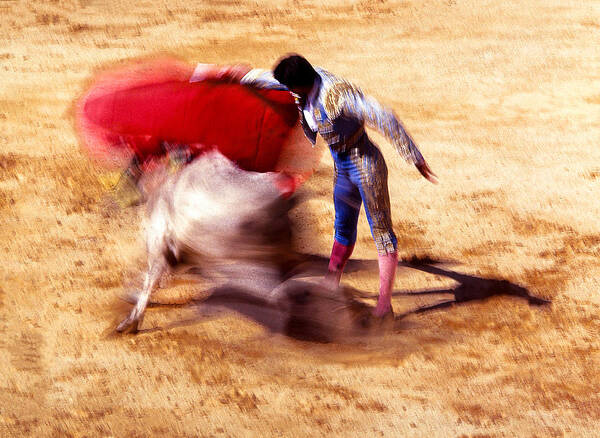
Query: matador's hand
[[427, 173]]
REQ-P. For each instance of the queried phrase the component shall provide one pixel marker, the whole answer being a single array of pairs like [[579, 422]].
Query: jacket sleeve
[[347, 99], [262, 78]]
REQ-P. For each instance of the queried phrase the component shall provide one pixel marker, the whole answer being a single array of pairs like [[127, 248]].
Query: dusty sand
[[503, 99]]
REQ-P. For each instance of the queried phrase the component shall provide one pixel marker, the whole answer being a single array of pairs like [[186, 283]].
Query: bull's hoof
[[128, 325]]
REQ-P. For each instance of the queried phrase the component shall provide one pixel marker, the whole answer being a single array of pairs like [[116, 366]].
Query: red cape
[[133, 110]]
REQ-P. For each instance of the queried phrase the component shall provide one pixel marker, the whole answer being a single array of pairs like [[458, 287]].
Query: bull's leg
[[133, 321], [158, 250]]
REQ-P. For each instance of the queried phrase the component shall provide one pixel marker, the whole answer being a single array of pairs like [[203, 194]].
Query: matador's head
[[297, 74]]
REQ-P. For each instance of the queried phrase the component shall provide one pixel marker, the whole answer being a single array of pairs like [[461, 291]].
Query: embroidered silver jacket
[[341, 110]]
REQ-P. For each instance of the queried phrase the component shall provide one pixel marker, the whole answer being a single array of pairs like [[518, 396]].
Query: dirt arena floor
[[503, 99]]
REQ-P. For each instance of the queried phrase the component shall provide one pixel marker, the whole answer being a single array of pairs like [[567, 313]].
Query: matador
[[338, 111]]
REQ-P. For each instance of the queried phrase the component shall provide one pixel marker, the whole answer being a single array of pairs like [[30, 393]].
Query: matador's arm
[[262, 78], [345, 98]]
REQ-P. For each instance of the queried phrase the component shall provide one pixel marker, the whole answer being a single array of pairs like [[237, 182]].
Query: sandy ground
[[503, 99]]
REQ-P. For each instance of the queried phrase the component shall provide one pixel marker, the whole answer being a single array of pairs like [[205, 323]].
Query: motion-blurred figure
[[229, 223], [338, 110]]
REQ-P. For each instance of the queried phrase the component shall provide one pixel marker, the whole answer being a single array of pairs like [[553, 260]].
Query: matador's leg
[[347, 201], [371, 176]]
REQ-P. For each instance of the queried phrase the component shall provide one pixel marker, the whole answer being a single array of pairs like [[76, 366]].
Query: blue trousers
[[361, 178]]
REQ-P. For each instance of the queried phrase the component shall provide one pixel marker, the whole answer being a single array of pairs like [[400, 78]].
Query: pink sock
[[387, 274], [337, 262]]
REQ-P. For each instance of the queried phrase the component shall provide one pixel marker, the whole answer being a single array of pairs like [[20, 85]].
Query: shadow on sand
[[469, 288], [303, 309]]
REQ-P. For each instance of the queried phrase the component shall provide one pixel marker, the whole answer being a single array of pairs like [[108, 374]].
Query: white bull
[[221, 219]]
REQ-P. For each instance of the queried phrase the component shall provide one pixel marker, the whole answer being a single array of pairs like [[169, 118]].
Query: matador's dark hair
[[294, 71]]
